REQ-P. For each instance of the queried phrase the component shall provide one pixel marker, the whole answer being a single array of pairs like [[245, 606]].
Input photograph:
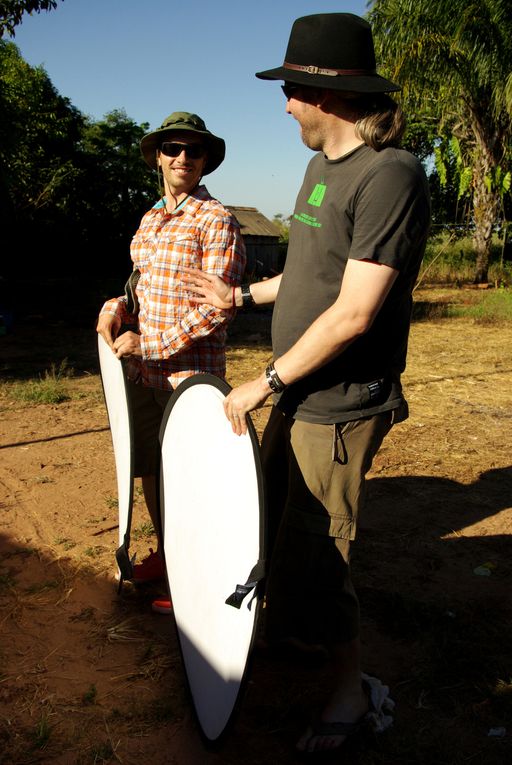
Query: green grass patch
[[94, 552], [41, 732], [89, 697], [483, 306], [144, 531], [111, 502], [65, 543], [48, 389], [494, 307]]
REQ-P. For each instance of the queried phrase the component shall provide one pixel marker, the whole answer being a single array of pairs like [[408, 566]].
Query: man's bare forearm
[[262, 293]]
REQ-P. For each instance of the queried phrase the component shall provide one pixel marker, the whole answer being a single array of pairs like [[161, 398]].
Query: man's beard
[[311, 140]]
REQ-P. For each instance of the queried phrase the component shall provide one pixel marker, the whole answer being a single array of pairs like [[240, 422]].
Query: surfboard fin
[[242, 590]]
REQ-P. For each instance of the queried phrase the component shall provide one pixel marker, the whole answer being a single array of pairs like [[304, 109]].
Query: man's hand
[[108, 327], [127, 344], [244, 399], [207, 288]]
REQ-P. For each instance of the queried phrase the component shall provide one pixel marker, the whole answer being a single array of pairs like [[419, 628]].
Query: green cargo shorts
[[315, 486]]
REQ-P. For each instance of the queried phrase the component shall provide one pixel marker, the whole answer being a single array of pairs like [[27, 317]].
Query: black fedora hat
[[184, 121], [331, 50]]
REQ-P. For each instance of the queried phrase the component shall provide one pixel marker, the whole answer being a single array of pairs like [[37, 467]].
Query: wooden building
[[261, 237]]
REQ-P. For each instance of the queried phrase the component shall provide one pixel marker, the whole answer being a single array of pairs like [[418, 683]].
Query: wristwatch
[[247, 298]]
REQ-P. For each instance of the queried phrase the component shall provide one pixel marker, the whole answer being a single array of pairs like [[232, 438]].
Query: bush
[[452, 260]]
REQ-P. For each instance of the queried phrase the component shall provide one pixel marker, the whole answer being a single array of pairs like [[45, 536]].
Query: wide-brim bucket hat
[[331, 50], [184, 121]]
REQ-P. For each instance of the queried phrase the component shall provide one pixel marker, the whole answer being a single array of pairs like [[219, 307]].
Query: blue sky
[[155, 57]]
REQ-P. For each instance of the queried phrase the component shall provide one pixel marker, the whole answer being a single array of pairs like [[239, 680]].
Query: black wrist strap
[[247, 298], [274, 381]]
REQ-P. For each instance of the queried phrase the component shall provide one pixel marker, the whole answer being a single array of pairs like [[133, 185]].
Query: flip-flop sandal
[[321, 728]]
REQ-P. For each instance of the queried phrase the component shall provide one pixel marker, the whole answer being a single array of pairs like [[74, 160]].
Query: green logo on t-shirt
[[317, 196], [309, 220]]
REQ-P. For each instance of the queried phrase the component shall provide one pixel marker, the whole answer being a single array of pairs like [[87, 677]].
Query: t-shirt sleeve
[[391, 214]]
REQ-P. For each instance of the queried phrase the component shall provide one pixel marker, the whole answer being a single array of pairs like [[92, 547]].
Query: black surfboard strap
[[242, 590]]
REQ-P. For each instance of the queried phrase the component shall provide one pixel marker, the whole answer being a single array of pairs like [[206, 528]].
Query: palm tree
[[454, 57]]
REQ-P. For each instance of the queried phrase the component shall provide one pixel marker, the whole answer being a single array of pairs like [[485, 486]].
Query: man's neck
[[173, 200], [340, 150], [174, 197], [340, 136], [341, 140]]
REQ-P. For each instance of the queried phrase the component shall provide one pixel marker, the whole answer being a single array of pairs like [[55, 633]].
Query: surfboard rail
[[117, 403]]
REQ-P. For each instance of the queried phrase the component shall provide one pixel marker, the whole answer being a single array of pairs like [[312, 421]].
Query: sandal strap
[[321, 728]]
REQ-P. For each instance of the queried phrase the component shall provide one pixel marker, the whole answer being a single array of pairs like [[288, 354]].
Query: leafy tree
[[38, 127], [38, 133], [115, 186], [454, 61], [70, 185], [454, 175], [283, 224], [11, 12]]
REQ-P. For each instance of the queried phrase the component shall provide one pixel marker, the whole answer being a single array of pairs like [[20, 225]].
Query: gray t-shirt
[[367, 205]]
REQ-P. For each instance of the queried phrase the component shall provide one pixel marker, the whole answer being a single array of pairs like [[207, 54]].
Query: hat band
[[329, 72]]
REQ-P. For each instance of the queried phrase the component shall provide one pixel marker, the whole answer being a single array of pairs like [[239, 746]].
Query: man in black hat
[[339, 331], [171, 338]]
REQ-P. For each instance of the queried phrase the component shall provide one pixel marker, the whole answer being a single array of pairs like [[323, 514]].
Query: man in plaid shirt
[[171, 338]]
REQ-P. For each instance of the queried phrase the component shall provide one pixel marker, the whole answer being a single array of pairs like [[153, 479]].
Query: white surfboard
[[119, 416], [213, 530]]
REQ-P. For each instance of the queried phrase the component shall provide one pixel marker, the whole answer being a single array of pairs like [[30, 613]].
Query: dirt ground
[[90, 676]]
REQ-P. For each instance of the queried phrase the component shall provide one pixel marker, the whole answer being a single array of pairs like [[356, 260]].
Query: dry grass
[[87, 677]]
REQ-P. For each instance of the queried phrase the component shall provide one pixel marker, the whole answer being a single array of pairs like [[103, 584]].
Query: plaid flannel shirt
[[178, 338]]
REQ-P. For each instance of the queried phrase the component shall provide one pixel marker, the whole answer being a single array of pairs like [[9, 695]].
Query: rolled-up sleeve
[[117, 307]]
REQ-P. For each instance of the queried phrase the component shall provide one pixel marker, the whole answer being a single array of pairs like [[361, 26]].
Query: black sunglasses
[[174, 149], [289, 89]]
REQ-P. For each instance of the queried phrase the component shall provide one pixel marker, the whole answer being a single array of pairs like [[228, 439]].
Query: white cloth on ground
[[382, 705]]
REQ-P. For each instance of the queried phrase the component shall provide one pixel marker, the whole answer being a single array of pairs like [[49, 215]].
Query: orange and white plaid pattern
[[178, 338]]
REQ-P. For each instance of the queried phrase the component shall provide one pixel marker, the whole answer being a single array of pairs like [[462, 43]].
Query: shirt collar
[[194, 200]]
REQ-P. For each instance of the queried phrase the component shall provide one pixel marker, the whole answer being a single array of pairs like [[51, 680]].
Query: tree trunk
[[486, 202]]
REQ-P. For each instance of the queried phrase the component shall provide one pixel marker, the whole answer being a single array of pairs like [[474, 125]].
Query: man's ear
[[323, 97], [158, 160], [313, 96]]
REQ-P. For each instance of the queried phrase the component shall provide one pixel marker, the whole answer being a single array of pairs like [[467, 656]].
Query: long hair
[[382, 121]]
